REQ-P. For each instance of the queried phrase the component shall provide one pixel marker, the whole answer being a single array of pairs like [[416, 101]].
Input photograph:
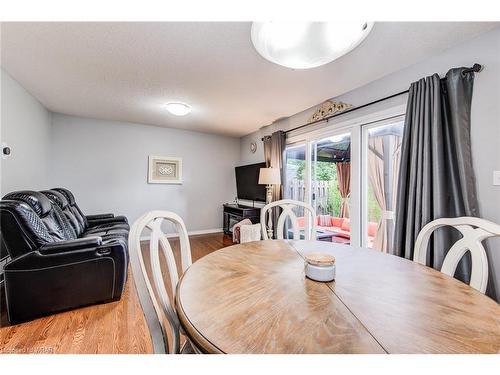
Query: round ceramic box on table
[[319, 267]]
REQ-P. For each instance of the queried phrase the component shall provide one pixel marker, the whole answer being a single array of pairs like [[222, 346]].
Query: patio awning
[[338, 149], [327, 151]]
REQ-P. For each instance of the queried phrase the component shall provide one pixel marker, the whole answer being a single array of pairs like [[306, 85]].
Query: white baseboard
[[190, 233]]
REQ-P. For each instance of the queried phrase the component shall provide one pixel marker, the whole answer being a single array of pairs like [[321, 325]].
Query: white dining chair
[[287, 206], [474, 230], [163, 307]]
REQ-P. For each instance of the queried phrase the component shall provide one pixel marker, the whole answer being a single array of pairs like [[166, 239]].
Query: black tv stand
[[234, 213]]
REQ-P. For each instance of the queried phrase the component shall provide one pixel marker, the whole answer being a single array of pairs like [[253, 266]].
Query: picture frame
[[164, 170]]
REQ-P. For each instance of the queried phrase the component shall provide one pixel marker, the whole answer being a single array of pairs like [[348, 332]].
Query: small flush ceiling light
[[178, 109], [304, 45]]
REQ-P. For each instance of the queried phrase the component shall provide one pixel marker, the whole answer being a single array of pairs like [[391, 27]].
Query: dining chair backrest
[[474, 230], [163, 306], [287, 206]]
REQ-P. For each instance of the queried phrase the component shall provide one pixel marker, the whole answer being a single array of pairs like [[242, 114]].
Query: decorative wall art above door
[[328, 108], [164, 170]]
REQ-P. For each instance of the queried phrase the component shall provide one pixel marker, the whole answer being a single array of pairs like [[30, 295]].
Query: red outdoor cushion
[[346, 225], [336, 222], [324, 220], [342, 233], [301, 221], [372, 229]]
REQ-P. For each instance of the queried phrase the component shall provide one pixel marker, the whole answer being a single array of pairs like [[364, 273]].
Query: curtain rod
[[475, 68]]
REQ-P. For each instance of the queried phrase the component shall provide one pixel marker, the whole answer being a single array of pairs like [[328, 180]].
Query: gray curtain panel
[[274, 149], [436, 177]]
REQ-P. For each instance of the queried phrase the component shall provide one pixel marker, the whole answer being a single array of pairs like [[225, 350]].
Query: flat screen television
[[247, 182]]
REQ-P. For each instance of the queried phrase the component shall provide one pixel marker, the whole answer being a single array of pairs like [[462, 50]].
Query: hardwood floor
[[203, 244], [117, 327]]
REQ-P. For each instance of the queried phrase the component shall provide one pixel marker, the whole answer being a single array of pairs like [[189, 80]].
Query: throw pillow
[[324, 220]]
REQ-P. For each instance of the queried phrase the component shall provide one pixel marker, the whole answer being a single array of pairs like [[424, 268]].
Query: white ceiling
[[127, 71]]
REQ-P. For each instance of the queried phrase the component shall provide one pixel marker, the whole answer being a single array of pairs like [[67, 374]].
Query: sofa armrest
[[112, 220], [114, 248], [71, 245], [99, 216]]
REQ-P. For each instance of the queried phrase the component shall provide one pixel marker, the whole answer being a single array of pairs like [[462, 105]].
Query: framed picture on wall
[[164, 170]]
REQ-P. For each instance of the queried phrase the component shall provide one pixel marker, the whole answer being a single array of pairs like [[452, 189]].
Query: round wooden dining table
[[255, 298]]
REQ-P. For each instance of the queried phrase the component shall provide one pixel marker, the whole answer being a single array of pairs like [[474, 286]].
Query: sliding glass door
[[349, 176]]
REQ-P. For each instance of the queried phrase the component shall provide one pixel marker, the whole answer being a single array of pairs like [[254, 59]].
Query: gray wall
[[105, 164], [26, 128], [485, 119]]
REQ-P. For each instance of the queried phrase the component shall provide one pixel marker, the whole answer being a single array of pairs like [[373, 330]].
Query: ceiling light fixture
[[178, 109], [304, 45]]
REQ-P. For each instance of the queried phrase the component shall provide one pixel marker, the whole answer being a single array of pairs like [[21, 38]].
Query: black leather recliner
[[106, 226], [60, 258]]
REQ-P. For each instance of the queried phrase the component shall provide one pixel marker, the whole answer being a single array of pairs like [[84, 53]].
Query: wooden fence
[[296, 189]]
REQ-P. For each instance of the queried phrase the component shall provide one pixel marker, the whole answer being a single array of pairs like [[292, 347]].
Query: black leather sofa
[[60, 259]]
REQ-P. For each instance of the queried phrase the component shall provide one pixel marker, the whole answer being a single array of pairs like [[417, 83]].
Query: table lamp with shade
[[269, 177]]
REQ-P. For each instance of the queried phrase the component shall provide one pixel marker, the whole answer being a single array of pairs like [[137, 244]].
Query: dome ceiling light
[[178, 109], [304, 45]]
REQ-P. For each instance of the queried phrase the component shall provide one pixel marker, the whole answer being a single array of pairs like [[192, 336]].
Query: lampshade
[[303, 45], [269, 176]]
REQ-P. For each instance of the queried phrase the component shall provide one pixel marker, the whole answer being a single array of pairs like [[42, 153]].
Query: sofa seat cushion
[[338, 226], [346, 225], [324, 220], [372, 229], [342, 233], [102, 232], [336, 221], [326, 228], [105, 227], [336, 231], [110, 234]]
